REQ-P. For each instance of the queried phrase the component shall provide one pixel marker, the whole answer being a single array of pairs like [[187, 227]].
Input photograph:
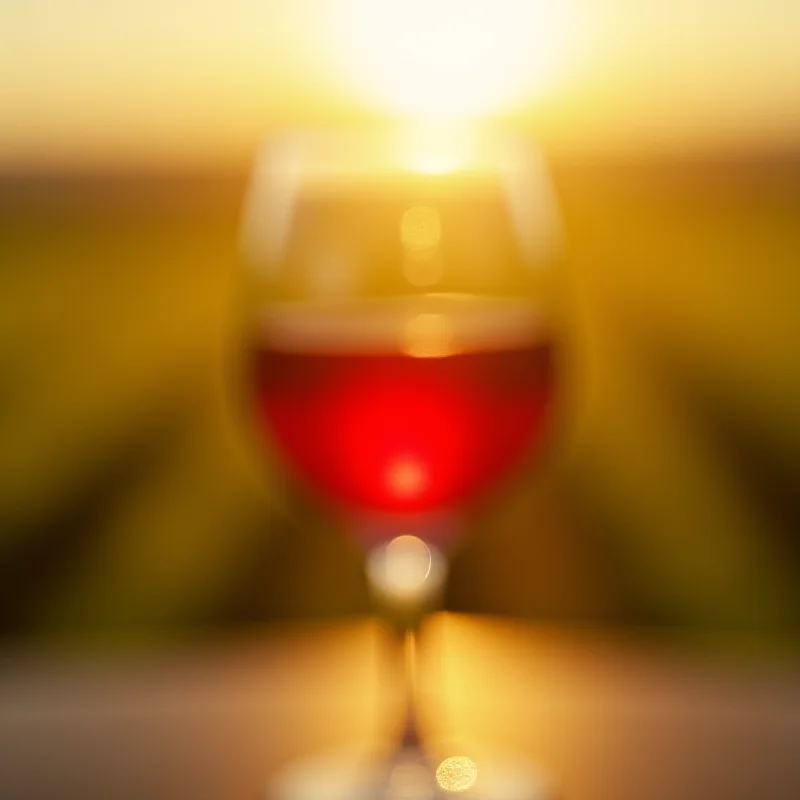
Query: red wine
[[397, 410]]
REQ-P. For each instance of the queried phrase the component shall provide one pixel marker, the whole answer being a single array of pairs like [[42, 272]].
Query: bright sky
[[84, 80]]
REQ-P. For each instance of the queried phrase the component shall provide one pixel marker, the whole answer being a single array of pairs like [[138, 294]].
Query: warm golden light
[[457, 774], [450, 58]]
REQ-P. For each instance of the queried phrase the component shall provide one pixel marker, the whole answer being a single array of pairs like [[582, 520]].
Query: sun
[[449, 59]]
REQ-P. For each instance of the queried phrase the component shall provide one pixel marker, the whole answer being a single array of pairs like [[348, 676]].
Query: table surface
[[608, 720]]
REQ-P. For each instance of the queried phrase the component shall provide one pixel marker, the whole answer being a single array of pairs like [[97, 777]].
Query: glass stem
[[410, 737]]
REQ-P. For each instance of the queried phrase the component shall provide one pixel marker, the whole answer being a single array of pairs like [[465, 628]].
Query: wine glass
[[402, 349]]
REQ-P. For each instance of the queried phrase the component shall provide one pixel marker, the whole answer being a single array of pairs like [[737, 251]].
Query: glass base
[[409, 774]]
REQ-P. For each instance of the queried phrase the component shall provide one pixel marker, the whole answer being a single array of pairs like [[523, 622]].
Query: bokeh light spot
[[457, 774], [420, 228], [406, 569], [429, 336], [423, 269], [406, 477]]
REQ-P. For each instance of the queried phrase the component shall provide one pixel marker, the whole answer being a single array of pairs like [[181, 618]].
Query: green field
[[134, 506]]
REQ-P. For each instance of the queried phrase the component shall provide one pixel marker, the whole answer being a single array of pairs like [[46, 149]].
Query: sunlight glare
[[445, 59], [436, 148]]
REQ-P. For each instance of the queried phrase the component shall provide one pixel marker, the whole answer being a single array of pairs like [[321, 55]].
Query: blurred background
[[135, 505]]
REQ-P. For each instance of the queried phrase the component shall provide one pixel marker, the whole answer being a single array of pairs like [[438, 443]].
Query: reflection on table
[[604, 718]]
